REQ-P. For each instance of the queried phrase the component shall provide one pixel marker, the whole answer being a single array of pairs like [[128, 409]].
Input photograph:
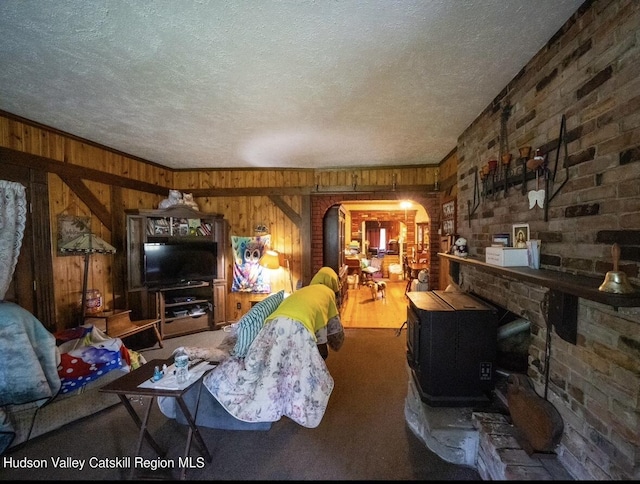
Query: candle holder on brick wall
[[525, 152], [505, 156], [505, 175], [494, 177]]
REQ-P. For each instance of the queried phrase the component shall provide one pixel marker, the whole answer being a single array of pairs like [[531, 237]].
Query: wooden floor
[[362, 311]]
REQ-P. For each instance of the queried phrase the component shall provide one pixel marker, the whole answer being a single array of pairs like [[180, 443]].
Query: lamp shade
[[88, 244], [270, 259]]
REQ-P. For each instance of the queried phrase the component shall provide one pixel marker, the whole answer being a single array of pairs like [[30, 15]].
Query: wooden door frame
[[33, 277]]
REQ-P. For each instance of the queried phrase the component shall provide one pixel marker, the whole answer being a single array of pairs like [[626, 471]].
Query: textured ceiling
[[265, 83]]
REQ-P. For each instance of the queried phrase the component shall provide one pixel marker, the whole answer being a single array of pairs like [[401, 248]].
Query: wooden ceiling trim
[[68, 171]]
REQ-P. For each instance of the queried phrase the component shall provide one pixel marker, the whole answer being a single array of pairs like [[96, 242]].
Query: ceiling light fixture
[[405, 204]]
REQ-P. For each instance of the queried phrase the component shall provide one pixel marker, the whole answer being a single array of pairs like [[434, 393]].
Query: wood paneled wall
[[27, 137], [244, 211]]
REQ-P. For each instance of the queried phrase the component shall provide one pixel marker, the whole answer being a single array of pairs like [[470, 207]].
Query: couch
[[27, 421], [34, 399], [267, 371]]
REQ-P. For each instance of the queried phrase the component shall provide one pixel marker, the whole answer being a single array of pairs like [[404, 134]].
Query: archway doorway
[[366, 220], [427, 204]]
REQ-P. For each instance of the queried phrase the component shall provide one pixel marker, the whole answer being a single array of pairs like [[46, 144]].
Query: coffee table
[[128, 385]]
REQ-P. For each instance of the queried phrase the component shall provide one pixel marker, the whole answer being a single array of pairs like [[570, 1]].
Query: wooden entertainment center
[[182, 308]]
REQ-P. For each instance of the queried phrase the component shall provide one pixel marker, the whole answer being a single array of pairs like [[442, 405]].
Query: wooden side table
[[118, 324], [129, 385]]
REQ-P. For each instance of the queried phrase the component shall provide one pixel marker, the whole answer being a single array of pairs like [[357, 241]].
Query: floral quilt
[[283, 374]]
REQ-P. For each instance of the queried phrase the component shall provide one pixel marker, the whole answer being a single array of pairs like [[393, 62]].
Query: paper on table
[[169, 382]]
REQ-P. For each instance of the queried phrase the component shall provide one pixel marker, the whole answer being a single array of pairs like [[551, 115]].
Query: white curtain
[[13, 216]]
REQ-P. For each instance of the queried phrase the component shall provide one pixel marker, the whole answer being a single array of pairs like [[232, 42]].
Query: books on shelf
[[204, 229], [178, 227]]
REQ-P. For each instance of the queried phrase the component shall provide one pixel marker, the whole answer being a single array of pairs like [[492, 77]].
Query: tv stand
[[180, 224], [185, 308]]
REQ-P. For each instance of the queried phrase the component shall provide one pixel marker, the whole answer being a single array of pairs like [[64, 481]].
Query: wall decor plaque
[[449, 217], [71, 227]]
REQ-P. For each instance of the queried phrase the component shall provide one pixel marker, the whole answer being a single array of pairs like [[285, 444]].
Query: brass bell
[[616, 281]]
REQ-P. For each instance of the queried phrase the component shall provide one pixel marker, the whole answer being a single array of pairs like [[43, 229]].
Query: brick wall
[[590, 73]]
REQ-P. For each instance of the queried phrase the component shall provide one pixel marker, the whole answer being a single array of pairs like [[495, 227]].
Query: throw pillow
[[251, 323]]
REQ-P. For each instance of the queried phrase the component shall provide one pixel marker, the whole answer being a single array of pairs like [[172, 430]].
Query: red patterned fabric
[[89, 357]]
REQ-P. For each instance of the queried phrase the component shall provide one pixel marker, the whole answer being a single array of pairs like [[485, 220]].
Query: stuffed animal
[[175, 198], [187, 199], [460, 247]]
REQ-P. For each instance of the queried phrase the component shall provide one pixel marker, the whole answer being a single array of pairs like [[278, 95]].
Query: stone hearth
[[500, 456], [484, 440]]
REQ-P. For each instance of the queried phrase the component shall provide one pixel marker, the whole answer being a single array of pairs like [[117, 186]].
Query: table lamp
[[271, 260]]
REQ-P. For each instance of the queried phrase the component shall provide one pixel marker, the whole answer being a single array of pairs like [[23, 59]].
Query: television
[[179, 262]]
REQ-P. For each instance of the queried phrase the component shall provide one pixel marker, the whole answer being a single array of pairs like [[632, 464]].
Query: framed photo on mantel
[[520, 235]]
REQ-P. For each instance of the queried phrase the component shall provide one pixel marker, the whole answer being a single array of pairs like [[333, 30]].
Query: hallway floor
[[362, 311]]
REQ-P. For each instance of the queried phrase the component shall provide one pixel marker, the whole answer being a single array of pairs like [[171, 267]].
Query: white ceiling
[[268, 83]]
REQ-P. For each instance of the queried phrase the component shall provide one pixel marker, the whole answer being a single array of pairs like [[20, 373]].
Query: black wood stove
[[451, 347]]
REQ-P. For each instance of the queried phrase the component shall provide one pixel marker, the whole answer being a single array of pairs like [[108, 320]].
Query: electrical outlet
[[238, 306]]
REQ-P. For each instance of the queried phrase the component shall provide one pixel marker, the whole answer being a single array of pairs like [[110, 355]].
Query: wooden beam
[[69, 170], [87, 196], [118, 240], [305, 240], [286, 208], [246, 192], [401, 191]]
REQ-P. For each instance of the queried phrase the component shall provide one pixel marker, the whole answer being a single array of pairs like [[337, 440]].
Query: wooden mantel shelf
[[580, 286]]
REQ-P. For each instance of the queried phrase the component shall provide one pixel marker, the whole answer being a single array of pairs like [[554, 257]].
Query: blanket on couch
[[29, 358], [283, 374], [89, 355], [35, 370], [29, 364]]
